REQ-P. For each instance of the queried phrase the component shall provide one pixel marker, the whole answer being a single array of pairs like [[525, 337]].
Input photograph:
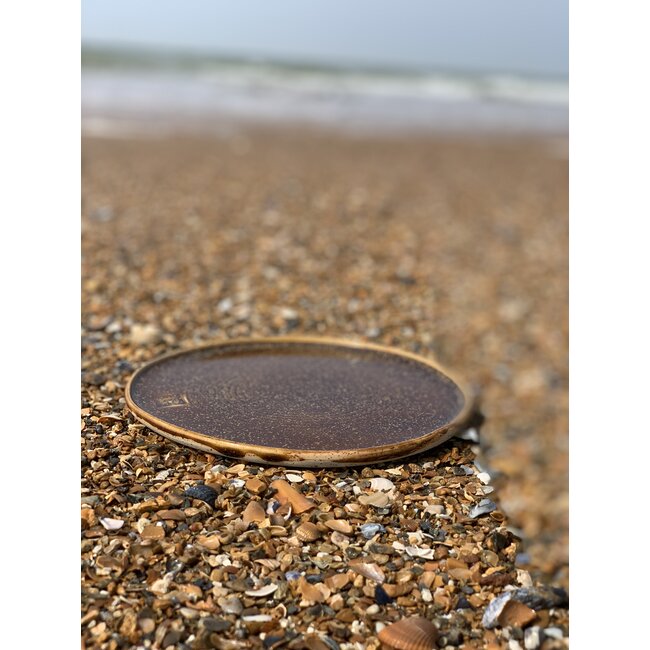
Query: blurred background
[[393, 172], [441, 65]]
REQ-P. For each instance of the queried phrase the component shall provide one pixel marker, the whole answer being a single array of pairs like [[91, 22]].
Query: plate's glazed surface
[[299, 401]]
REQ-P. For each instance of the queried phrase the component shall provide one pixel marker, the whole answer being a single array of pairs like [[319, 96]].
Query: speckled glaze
[[299, 401]]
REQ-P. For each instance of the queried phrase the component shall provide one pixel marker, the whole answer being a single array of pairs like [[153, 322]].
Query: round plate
[[299, 401]]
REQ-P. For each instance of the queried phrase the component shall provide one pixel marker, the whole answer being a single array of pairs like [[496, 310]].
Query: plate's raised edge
[[305, 457]]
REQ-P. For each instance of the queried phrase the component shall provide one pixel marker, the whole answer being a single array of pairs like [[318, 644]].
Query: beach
[[451, 246]]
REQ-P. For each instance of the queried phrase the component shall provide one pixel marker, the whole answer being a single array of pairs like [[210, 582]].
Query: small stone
[[230, 605], [147, 625], [144, 334], [215, 624], [153, 532], [533, 638], [255, 485], [202, 493], [554, 633], [381, 597]]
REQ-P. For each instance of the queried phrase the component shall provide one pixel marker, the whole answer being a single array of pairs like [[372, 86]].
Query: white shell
[[263, 591], [381, 484]]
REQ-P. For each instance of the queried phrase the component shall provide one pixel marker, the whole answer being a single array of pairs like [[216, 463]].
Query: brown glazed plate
[[300, 401]]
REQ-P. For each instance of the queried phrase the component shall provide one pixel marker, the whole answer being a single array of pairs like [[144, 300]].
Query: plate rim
[[305, 457]]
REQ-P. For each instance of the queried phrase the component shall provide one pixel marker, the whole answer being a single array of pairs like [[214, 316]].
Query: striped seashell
[[415, 633], [307, 532]]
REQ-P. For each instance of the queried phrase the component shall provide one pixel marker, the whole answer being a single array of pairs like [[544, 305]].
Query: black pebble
[[124, 366], [203, 493], [463, 603], [381, 597], [215, 624]]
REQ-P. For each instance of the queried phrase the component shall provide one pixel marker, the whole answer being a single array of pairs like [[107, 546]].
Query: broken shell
[[376, 499], [415, 633], [111, 524], [337, 581], [317, 593], [255, 485], [516, 614], [294, 478], [370, 530], [339, 525], [307, 532], [368, 570], [263, 591], [287, 494], [483, 507], [254, 512], [381, 484], [230, 605], [414, 551]]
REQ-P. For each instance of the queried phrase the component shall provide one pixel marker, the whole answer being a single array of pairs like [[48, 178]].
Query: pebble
[[144, 334], [533, 638], [202, 493], [554, 633]]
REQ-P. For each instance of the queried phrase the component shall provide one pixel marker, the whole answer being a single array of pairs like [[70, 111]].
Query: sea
[[136, 92]]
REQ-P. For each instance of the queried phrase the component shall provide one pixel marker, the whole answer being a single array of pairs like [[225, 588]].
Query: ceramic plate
[[300, 401]]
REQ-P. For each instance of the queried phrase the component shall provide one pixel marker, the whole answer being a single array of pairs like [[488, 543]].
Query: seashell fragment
[[294, 478], [111, 524], [287, 494], [337, 581], [370, 530], [254, 512], [230, 605], [516, 614], [210, 542], [317, 593], [307, 532], [262, 591], [255, 486], [381, 484], [377, 499], [414, 551], [368, 570], [484, 507], [257, 618], [339, 525], [415, 633]]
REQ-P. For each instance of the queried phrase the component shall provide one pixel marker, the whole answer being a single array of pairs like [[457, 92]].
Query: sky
[[526, 36]]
